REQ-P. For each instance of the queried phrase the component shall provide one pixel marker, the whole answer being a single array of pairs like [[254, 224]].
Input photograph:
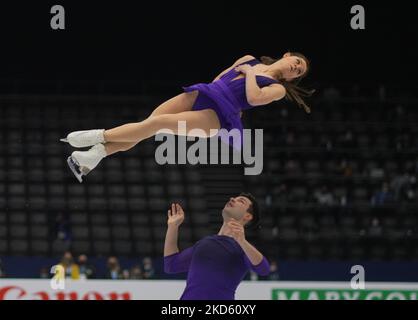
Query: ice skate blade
[[75, 168]]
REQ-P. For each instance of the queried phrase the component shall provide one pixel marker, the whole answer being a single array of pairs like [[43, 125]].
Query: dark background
[[181, 42]]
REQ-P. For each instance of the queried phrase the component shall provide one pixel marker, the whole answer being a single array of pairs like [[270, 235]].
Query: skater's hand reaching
[[244, 68], [175, 215], [237, 230]]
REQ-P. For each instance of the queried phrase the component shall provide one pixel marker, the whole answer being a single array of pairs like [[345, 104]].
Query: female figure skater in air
[[248, 83]]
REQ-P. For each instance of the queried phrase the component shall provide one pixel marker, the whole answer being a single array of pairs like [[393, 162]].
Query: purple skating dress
[[228, 98]]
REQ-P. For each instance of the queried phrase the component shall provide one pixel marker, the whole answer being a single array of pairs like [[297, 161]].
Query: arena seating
[[319, 191]]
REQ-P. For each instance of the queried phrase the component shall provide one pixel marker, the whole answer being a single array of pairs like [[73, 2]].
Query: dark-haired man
[[216, 264]]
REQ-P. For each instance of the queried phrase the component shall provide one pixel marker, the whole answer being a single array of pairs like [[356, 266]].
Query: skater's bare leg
[[180, 103], [122, 138], [138, 131], [114, 147], [82, 162]]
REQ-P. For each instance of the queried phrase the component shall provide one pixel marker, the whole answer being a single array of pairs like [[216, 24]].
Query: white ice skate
[[85, 138], [82, 162]]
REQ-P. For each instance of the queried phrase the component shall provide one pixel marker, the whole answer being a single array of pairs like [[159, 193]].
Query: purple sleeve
[[262, 269], [178, 262]]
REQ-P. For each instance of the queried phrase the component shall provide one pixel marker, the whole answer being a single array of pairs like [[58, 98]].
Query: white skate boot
[[82, 162], [85, 138]]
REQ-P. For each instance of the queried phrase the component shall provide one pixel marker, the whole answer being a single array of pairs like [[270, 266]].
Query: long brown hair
[[293, 91]]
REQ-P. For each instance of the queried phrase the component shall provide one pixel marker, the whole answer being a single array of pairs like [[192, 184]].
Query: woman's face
[[292, 67]]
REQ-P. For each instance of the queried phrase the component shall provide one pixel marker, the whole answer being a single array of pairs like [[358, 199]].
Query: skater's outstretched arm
[[174, 260], [175, 219]]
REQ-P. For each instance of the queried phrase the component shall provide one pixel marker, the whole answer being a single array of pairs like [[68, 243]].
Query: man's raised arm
[[174, 260]]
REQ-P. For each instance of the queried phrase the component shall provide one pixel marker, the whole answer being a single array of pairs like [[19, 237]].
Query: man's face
[[67, 258], [82, 259], [237, 208], [112, 262]]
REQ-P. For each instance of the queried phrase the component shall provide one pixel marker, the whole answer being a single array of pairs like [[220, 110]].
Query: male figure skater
[[216, 264]]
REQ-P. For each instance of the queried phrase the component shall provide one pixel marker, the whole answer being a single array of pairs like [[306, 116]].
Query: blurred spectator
[[274, 272], [343, 199], [403, 186], [253, 276], [324, 197], [326, 143], [44, 273], [148, 268], [411, 195], [399, 185], [346, 168], [375, 229], [383, 196], [376, 173], [71, 268], [2, 271], [62, 234], [136, 273], [268, 200], [126, 275], [411, 186], [113, 269], [62, 228], [275, 231], [347, 141], [87, 271]]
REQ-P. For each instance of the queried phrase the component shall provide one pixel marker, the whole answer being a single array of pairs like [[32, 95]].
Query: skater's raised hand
[[237, 230], [175, 215]]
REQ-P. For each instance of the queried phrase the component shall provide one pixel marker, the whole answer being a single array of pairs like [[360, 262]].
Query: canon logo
[[18, 293]]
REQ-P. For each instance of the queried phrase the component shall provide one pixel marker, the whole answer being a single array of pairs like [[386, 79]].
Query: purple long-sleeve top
[[216, 265]]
